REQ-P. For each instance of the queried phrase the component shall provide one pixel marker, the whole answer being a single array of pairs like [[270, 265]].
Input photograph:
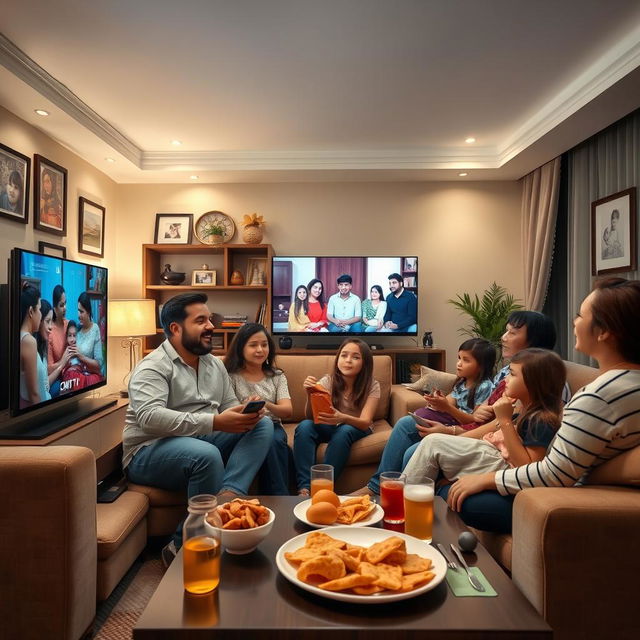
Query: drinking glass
[[418, 507], [391, 500], [321, 478]]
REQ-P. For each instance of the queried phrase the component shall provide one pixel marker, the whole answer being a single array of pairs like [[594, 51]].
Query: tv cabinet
[[224, 297], [401, 358]]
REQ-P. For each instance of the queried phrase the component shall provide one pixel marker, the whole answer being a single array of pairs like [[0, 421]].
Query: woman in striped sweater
[[601, 420]]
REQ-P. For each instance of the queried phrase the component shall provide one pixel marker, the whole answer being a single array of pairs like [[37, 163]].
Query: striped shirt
[[601, 421]]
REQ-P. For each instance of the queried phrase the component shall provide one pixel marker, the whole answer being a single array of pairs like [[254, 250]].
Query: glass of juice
[[321, 478], [418, 507], [391, 497]]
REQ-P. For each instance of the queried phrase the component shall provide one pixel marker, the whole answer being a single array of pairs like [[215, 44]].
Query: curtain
[[601, 166], [539, 210]]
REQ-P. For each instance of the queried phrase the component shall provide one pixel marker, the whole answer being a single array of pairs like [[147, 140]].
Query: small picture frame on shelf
[[91, 228], [173, 228], [256, 272], [410, 264], [203, 278], [50, 249]]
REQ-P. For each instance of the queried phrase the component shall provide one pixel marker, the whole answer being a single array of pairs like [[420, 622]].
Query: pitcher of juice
[[201, 545]]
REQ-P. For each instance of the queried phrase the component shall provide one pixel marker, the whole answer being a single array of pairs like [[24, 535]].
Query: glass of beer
[[391, 500], [321, 478], [418, 507]]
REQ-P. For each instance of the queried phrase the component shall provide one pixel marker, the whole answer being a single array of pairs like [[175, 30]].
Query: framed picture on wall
[[614, 243], [49, 249], [91, 228], [15, 171], [49, 196], [173, 228]]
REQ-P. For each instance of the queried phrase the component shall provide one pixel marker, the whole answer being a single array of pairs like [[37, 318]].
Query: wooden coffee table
[[254, 601]]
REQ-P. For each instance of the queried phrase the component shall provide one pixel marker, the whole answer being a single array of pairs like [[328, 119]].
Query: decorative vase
[[252, 234], [171, 277], [236, 278], [215, 238]]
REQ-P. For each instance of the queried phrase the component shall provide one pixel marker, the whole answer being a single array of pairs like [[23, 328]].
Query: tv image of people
[[361, 295], [62, 327]]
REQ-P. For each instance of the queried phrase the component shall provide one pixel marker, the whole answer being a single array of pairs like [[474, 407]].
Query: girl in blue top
[[476, 359]]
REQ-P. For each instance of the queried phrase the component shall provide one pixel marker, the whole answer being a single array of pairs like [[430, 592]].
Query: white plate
[[364, 536], [300, 512]]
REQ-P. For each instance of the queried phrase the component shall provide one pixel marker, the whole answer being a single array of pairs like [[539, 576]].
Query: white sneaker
[[168, 553]]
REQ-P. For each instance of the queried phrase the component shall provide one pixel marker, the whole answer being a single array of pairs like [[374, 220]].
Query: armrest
[[575, 556], [401, 401]]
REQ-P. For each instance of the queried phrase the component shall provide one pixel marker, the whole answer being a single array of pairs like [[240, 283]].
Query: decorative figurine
[[171, 277]]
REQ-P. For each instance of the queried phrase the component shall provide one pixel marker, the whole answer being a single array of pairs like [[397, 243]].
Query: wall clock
[[214, 221]]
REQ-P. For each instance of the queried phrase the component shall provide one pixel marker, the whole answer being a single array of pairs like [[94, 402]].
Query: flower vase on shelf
[[252, 232]]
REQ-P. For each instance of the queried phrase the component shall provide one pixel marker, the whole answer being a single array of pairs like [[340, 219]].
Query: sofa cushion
[[160, 497], [431, 379], [623, 469], [117, 519]]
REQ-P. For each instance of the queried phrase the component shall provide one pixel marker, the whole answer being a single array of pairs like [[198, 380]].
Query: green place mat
[[459, 584]]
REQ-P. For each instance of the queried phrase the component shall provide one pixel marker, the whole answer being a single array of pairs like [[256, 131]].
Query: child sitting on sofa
[[354, 399]]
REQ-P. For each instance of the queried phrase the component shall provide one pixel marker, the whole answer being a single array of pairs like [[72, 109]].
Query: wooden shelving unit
[[223, 296]]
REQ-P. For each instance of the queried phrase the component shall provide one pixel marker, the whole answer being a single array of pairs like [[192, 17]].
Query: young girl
[[298, 318], [373, 309], [250, 362], [536, 378], [316, 306], [354, 399], [42, 341], [75, 374], [30, 316], [476, 359]]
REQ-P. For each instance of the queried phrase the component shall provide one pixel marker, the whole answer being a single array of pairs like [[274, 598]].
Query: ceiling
[[309, 90]]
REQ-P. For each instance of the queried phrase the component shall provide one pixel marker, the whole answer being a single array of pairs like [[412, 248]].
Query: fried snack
[[243, 514], [355, 509], [380, 550], [361, 570]]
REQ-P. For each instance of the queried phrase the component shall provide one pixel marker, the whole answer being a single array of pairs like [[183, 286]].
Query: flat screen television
[[48, 363], [308, 291]]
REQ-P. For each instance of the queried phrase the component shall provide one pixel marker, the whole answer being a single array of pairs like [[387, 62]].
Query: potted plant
[[215, 231], [252, 233], [488, 314]]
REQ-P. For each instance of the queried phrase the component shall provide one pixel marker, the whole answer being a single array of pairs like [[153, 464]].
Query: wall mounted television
[[306, 296], [47, 364]]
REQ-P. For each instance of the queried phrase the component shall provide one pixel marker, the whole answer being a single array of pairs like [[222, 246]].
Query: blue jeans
[[305, 442], [487, 510], [403, 435], [273, 477], [203, 464], [356, 327]]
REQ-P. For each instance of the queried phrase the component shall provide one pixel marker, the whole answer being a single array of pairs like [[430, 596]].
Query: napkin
[[458, 582]]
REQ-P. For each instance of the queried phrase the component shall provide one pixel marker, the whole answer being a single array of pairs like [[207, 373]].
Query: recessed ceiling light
[[194, 177], [470, 140], [463, 174], [41, 112], [176, 143], [109, 159]]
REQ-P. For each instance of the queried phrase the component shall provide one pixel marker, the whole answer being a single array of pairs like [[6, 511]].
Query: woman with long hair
[[30, 316], [299, 309], [89, 344], [316, 306]]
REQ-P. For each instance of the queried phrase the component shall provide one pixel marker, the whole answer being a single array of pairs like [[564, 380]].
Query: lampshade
[[132, 317]]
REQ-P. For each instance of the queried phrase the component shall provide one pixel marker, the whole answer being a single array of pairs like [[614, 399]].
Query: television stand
[[326, 347]]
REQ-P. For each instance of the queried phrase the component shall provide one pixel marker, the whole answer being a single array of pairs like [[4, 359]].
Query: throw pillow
[[431, 379]]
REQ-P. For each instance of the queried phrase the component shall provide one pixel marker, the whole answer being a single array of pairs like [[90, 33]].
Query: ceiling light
[[470, 140], [463, 174], [176, 143], [110, 160], [194, 177], [41, 112]]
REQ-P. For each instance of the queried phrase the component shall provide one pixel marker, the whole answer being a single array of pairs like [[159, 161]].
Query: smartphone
[[421, 421], [254, 406]]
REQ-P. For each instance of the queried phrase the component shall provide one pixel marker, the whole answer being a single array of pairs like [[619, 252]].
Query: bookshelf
[[224, 298], [409, 274]]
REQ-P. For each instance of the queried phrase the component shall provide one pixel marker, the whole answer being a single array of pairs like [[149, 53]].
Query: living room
[[388, 190]]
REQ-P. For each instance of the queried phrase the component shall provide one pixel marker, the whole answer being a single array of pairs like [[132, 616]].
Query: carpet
[[116, 616]]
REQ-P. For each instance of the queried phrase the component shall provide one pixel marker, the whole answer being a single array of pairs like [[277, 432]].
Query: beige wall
[[466, 235]]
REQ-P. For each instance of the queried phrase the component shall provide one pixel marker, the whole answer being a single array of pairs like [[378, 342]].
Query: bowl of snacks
[[245, 524]]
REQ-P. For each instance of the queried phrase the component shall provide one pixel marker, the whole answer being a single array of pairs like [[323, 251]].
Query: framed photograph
[[91, 228], [256, 272], [409, 264], [614, 243], [203, 278], [49, 196], [173, 228], [55, 250], [15, 171]]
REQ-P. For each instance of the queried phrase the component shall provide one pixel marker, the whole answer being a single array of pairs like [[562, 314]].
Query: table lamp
[[133, 319]]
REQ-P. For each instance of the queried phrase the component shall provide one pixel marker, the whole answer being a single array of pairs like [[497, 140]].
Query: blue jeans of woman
[[403, 435], [203, 464], [487, 510], [273, 477], [306, 440]]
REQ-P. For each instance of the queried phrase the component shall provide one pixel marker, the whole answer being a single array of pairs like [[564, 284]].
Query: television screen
[[58, 311], [361, 295]]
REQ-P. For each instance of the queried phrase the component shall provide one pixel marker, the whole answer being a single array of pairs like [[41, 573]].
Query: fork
[[450, 563]]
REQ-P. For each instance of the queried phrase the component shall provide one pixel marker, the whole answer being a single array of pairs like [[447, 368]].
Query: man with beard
[[184, 427], [402, 307]]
